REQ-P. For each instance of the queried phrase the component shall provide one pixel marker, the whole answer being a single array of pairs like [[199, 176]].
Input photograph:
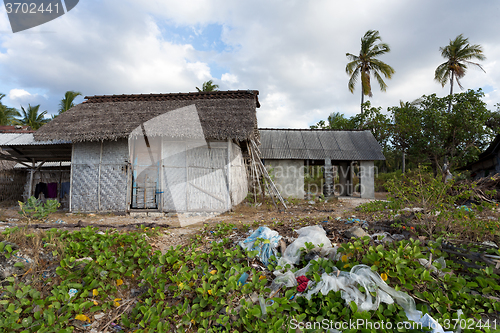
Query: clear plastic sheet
[[312, 234]]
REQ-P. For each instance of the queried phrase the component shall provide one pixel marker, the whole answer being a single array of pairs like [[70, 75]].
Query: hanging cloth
[[52, 190]]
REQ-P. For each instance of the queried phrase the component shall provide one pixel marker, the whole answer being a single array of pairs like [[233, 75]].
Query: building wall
[[12, 184], [288, 176], [367, 179], [99, 176], [197, 177], [239, 177]]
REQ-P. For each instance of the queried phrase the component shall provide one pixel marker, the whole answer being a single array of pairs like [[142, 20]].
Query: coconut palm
[[208, 86], [68, 101], [366, 63], [459, 54], [7, 115], [32, 118]]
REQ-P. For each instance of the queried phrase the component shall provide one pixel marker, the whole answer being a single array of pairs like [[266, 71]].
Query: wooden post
[[230, 202], [99, 180], [30, 188]]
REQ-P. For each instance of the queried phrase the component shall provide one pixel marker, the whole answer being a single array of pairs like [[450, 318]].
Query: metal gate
[[146, 175]]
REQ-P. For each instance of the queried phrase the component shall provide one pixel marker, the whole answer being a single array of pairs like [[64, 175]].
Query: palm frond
[[382, 84], [353, 79]]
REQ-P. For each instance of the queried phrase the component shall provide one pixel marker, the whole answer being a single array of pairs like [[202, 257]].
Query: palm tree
[[68, 101], [32, 118], [208, 86], [459, 54], [366, 63], [7, 115]]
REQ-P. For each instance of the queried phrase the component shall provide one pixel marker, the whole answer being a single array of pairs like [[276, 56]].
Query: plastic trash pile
[[347, 283]]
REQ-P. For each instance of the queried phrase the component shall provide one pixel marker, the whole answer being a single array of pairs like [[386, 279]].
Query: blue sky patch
[[203, 38]]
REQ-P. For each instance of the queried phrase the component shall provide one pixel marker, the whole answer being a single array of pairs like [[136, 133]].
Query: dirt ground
[[181, 228]]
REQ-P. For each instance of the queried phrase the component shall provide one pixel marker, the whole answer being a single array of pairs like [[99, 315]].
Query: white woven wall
[[195, 176], [239, 178]]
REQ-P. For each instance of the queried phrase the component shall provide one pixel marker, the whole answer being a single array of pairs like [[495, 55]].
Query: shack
[[179, 152], [290, 151]]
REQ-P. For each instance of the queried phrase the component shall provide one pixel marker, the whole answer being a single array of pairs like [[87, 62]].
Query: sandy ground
[[181, 227]]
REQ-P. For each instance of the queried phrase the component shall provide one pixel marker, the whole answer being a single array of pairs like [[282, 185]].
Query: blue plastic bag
[[266, 248]]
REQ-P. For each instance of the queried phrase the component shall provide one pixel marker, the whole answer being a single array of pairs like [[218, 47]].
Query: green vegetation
[[195, 288], [208, 86], [68, 101], [7, 115], [442, 213], [426, 131], [458, 54], [36, 209], [30, 117]]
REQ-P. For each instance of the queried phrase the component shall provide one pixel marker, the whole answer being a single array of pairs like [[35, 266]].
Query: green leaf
[[19, 264]]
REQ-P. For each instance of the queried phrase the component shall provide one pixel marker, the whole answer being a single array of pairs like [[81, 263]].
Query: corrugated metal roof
[[319, 144], [24, 139], [45, 165]]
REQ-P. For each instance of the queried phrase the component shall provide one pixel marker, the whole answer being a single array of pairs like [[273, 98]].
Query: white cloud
[[18, 93], [292, 52], [229, 78], [21, 97]]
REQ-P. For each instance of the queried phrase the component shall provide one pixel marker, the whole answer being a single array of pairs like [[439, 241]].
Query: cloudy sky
[[292, 51]]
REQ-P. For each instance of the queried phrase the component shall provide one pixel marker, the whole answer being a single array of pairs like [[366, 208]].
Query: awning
[[22, 148]]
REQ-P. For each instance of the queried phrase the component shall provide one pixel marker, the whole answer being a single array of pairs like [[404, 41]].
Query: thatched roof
[[222, 115]]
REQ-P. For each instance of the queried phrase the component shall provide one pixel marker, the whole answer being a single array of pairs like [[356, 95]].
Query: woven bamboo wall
[[174, 176], [207, 178], [239, 178], [12, 185], [195, 176], [114, 176], [105, 191]]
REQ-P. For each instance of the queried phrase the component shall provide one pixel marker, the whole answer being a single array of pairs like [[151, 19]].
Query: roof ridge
[[195, 93], [311, 129]]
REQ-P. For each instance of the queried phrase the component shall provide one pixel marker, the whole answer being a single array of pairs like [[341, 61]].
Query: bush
[[382, 179], [36, 209]]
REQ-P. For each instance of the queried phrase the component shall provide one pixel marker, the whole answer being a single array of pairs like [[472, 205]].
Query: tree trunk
[[362, 97], [404, 164], [451, 91], [435, 166]]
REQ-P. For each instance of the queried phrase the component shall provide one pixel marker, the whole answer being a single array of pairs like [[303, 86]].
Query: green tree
[[432, 134], [366, 63], [32, 118], [208, 86], [7, 115], [68, 101], [406, 128], [371, 119], [336, 121], [458, 55]]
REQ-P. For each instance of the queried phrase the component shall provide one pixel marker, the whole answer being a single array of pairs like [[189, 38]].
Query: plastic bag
[[348, 282], [312, 234], [425, 263], [266, 249]]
